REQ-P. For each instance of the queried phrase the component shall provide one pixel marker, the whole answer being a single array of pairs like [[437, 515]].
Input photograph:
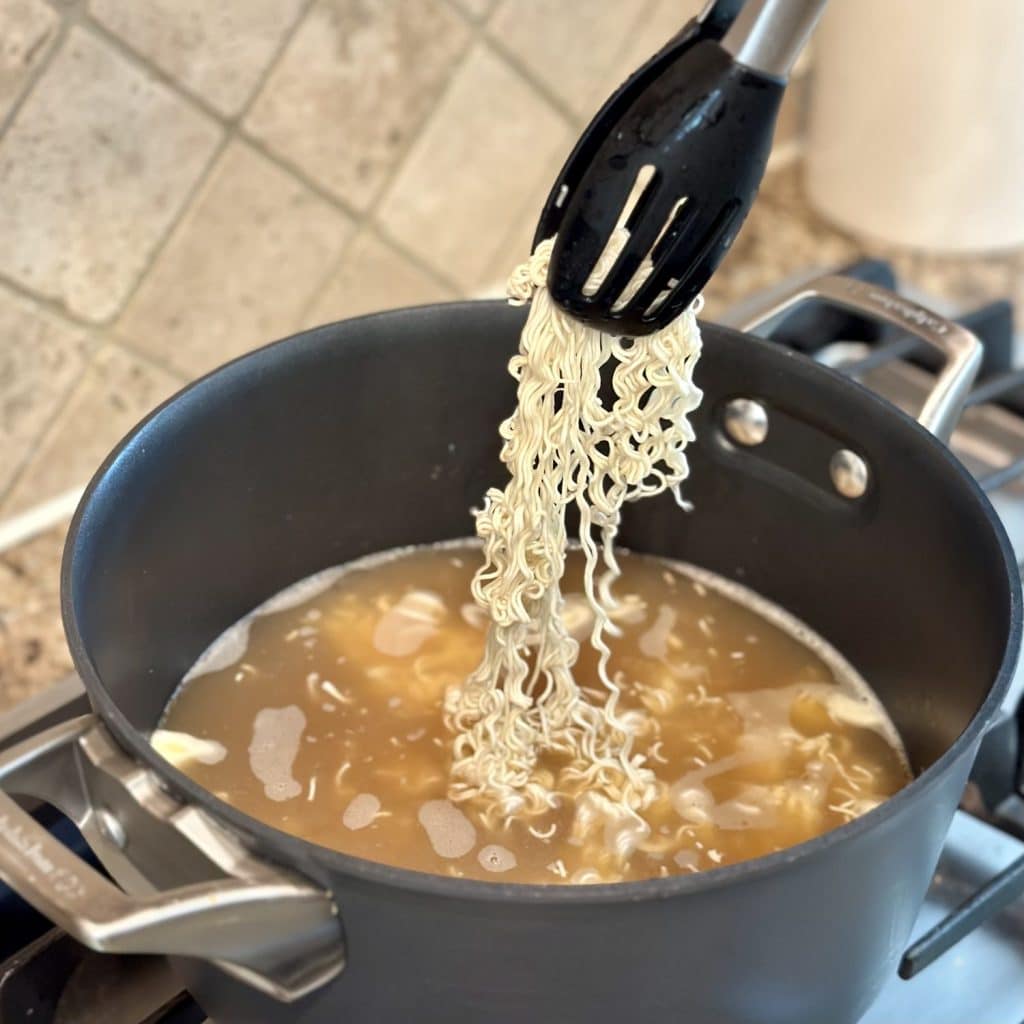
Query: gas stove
[[966, 958]]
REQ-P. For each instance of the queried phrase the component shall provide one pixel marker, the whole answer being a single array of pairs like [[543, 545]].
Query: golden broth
[[321, 714]]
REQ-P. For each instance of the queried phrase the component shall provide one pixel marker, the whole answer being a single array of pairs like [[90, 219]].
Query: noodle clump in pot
[[527, 736]]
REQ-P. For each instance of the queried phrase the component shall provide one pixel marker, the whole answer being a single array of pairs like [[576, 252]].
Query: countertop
[[782, 237]]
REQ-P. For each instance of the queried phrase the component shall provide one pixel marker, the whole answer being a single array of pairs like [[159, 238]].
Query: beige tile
[[33, 652], [476, 8], [373, 276], [216, 50], [571, 47], [94, 168], [514, 249], [239, 269], [518, 242], [468, 178], [792, 121], [116, 391], [27, 28], [355, 86], [658, 23], [41, 357]]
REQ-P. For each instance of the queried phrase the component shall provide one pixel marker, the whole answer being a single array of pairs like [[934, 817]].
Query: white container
[[916, 133]]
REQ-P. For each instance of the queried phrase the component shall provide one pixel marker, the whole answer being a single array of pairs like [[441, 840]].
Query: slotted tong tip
[[658, 185]]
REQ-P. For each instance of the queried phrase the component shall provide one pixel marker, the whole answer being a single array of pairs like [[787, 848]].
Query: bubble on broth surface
[[361, 811], [688, 860], [276, 733], [496, 858], [450, 832]]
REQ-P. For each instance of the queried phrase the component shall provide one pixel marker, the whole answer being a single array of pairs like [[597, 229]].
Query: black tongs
[[660, 182]]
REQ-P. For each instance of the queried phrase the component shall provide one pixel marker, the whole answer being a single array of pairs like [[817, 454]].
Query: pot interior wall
[[382, 431]]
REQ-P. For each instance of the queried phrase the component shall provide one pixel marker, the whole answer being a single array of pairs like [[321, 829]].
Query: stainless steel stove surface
[[981, 979], [965, 964]]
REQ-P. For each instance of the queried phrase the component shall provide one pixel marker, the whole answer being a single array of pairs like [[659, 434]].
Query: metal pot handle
[[270, 928], [961, 349]]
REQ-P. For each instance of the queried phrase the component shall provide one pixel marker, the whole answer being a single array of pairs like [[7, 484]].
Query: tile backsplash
[[183, 181]]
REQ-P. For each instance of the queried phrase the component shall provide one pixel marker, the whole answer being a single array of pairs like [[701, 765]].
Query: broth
[[321, 715]]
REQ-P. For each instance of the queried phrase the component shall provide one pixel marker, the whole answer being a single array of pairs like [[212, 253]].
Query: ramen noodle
[[563, 447]]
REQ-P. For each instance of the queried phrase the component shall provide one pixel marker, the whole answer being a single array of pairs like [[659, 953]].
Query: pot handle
[[959, 346], [272, 929]]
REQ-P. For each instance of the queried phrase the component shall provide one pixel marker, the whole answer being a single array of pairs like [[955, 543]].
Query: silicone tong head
[[658, 185]]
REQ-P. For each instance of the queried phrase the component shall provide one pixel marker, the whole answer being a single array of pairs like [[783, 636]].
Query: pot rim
[[290, 848]]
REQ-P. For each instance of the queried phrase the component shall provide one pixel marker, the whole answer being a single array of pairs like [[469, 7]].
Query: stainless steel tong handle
[[270, 928], [959, 346], [768, 35]]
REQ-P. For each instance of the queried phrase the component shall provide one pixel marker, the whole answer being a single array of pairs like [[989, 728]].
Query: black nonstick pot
[[382, 431]]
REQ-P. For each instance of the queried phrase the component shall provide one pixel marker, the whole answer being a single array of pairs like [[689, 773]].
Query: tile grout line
[[275, 60], [473, 19], [194, 196], [367, 219], [231, 132], [105, 333], [416, 260], [509, 59], [293, 170], [575, 121], [457, 68], [154, 362], [358, 220], [48, 430], [52, 306], [78, 17], [28, 87], [101, 342], [233, 128], [94, 345], [621, 52], [322, 285], [102, 333], [126, 49], [82, 18], [479, 38]]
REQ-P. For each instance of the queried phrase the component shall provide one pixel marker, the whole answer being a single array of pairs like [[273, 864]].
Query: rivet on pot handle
[[271, 928], [961, 349]]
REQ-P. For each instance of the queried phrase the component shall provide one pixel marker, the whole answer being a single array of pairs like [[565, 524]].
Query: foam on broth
[[320, 714]]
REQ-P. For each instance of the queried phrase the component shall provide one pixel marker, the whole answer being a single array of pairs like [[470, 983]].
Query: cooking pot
[[382, 431]]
